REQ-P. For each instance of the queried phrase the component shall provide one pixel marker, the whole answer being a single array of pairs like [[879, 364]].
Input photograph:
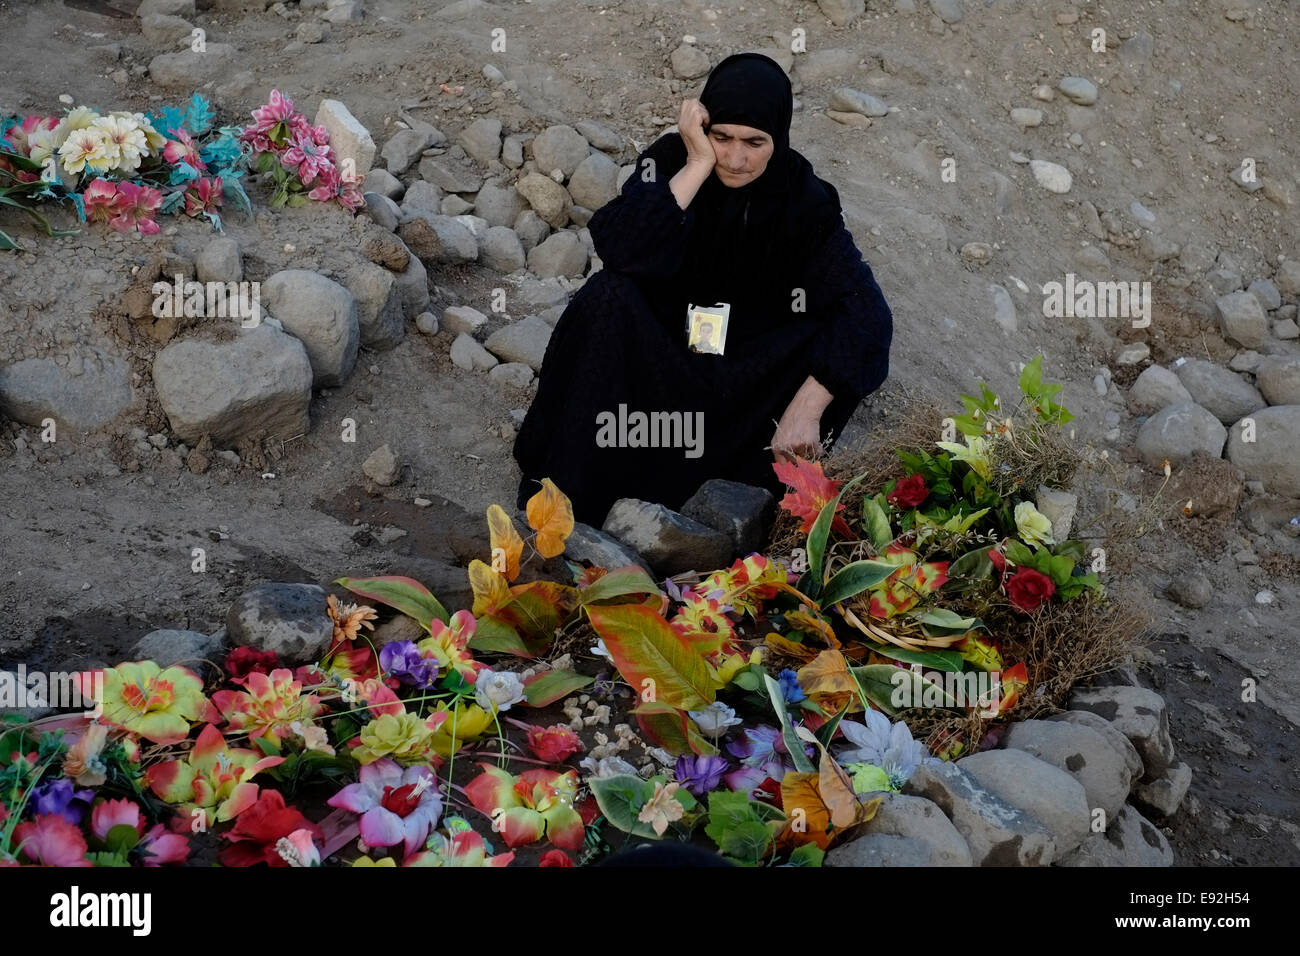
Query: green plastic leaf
[[653, 657], [792, 741], [495, 635], [550, 686], [853, 579], [1031, 378], [621, 582], [878, 530], [868, 778], [405, 594], [882, 686], [947, 661], [1018, 553], [673, 730], [826, 732], [821, 531], [746, 679], [746, 843], [971, 567], [121, 838], [1060, 568], [1074, 548], [943, 619], [809, 854], [622, 796]]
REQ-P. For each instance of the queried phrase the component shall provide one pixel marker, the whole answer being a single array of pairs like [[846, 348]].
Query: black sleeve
[[851, 356], [642, 231]]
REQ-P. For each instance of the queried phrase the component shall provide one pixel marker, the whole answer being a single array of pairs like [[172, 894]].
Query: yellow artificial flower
[[975, 453], [1034, 526], [470, 723], [400, 736], [89, 149], [370, 861]]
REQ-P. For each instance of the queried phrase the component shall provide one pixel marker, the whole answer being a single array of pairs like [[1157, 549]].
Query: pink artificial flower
[[100, 199], [158, 846], [396, 805], [204, 195], [298, 849], [308, 157], [50, 840], [265, 118], [327, 183], [17, 138], [113, 813], [136, 206], [183, 149]]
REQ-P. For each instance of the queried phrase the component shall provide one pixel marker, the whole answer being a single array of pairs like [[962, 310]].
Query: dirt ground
[[96, 535]]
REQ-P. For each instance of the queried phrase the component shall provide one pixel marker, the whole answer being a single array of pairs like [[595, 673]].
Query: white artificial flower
[[714, 720], [127, 138], [1034, 526], [498, 690], [606, 767], [600, 650]]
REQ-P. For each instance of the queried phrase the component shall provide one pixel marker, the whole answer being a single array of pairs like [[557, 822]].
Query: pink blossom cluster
[[282, 131]]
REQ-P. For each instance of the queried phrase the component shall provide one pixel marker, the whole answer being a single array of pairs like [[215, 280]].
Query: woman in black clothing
[[722, 211]]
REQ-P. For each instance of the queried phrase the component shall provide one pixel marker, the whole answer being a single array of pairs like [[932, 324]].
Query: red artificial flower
[[554, 744], [1027, 589], [555, 858], [243, 661], [908, 492], [259, 828]]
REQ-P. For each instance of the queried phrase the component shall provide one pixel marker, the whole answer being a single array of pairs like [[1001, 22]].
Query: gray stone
[[1004, 309], [1155, 247], [741, 512], [463, 318], [1139, 714], [1157, 388], [1242, 319], [1118, 742], [383, 210], [949, 11], [559, 147], [1164, 796], [1175, 432], [1046, 793], [470, 355], [162, 29], [191, 649], [512, 151], [542, 293], [883, 849], [450, 174], [1267, 293], [1027, 117], [849, 119], [1130, 840], [548, 198], [1051, 176], [689, 62], [1133, 354], [586, 543], [427, 323], [594, 182], [455, 207], [414, 283], [422, 195], [188, 70], [1286, 329], [260, 381], [552, 315], [344, 11], [438, 238], [88, 392], [523, 341], [821, 65], [915, 818], [997, 833], [499, 205], [385, 183], [1278, 377], [531, 229], [600, 136], [170, 8], [1223, 393], [349, 140], [1191, 589], [289, 619], [499, 248], [1081, 752], [321, 314], [1058, 507], [512, 375], [669, 541], [848, 100], [1288, 277], [482, 140], [381, 318], [1078, 89], [475, 224], [404, 148], [842, 12], [382, 466], [1271, 457], [560, 254]]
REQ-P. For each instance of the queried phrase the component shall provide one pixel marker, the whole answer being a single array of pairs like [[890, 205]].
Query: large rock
[[322, 315], [1047, 793], [90, 391], [290, 619], [499, 205], [908, 818], [404, 148], [1271, 457], [594, 182], [1278, 378], [382, 210], [438, 238], [188, 648], [826, 64], [549, 199], [669, 541], [170, 8], [1163, 796], [481, 139], [1266, 291], [188, 70], [259, 381], [586, 543], [1288, 277], [1121, 744], [163, 30], [1157, 388], [422, 195], [414, 284], [1058, 507], [1139, 714], [499, 248], [1175, 432], [559, 147], [1223, 393], [1242, 319], [1051, 176], [1130, 840], [848, 100], [469, 354], [219, 261], [450, 174], [689, 62], [463, 318], [1081, 752], [348, 138], [523, 341], [531, 229], [741, 512], [560, 254], [381, 317], [600, 135]]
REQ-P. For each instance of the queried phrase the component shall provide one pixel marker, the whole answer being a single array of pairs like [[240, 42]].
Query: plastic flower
[[50, 840], [498, 689], [277, 110], [368, 862], [790, 688], [349, 619], [464, 848], [714, 720], [975, 453], [554, 744], [535, 805], [1027, 589], [136, 207], [448, 644], [127, 140], [1034, 526], [455, 727], [183, 149], [83, 763], [661, 809], [600, 650], [88, 149], [243, 661], [887, 746], [58, 796], [147, 700], [307, 157], [203, 197], [269, 707], [700, 774], [905, 587], [157, 845], [298, 849], [100, 200], [606, 767], [401, 736], [403, 660], [555, 858], [18, 138], [213, 776], [908, 492], [255, 837], [396, 805], [703, 614], [762, 754]]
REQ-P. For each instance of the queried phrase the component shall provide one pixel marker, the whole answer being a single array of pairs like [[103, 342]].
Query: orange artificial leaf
[[809, 819], [491, 591], [828, 682], [550, 514], [813, 624], [790, 648], [812, 490], [837, 791], [506, 543]]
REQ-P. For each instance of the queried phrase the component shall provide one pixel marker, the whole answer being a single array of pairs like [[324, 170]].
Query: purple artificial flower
[[762, 753], [790, 688], [58, 796], [403, 660], [700, 774], [396, 805]]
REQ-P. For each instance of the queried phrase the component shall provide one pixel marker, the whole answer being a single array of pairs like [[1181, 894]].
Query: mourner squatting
[[651, 430]]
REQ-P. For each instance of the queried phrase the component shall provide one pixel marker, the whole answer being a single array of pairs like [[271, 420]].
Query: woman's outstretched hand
[[799, 431], [690, 124]]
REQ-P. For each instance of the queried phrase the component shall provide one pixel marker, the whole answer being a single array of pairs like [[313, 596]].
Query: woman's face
[[742, 153]]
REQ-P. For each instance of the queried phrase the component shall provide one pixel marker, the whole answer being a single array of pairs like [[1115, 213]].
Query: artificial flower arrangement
[[124, 169], [766, 706]]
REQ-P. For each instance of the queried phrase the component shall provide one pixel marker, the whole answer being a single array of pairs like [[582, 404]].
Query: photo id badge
[[706, 327]]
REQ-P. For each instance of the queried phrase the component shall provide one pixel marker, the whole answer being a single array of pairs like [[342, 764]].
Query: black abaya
[[803, 302]]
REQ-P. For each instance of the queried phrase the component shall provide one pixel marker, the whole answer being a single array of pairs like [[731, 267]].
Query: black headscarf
[[748, 240]]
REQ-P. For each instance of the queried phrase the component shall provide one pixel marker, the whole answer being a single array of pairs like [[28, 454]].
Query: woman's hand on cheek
[[690, 124]]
